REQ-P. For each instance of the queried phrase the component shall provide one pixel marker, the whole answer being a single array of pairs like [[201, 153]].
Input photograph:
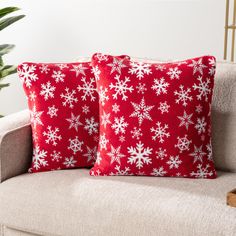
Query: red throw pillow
[[155, 117], [63, 104]]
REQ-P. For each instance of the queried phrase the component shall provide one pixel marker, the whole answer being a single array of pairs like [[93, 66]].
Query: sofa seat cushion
[[71, 202]]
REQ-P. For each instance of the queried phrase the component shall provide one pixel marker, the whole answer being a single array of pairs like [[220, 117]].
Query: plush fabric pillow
[[63, 104], [155, 118]]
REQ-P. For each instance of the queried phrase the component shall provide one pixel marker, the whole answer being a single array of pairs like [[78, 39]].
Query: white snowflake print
[[85, 109], [58, 76], [115, 108], [56, 156], [119, 125], [209, 150], [160, 132], [140, 69], [199, 108], [183, 96], [136, 133], [159, 172], [47, 90], [74, 122], [141, 111], [52, 135], [161, 153], [98, 159], [101, 57], [91, 126], [115, 154], [69, 162], [164, 107], [203, 88], [139, 155], [79, 69], [95, 173], [183, 143], [88, 89], [69, 98], [122, 138], [103, 142], [96, 72], [91, 154], [160, 67], [197, 66], [44, 68], [202, 172], [174, 73], [198, 154], [103, 97], [201, 125], [35, 117], [52, 111], [32, 96], [75, 145], [174, 162], [212, 70], [39, 158], [185, 120], [121, 87], [105, 117], [125, 171], [27, 74], [62, 66], [160, 86], [116, 65], [141, 88]]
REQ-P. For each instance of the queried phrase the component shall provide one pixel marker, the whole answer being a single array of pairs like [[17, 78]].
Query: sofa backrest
[[224, 117]]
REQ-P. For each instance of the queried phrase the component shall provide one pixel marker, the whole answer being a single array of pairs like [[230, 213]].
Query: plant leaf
[[6, 48], [10, 20], [7, 10], [7, 70], [1, 62], [4, 86]]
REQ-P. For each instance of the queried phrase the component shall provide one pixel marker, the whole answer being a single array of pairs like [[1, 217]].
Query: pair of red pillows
[[121, 116]]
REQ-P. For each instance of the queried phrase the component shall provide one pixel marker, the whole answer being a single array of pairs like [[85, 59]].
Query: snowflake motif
[[105, 119], [161, 153], [91, 154], [52, 111], [183, 143], [74, 122], [203, 89], [202, 172], [115, 154], [35, 117], [32, 96], [174, 73], [209, 150], [47, 91], [164, 107], [78, 69], [95, 173], [119, 125], [98, 158], [52, 135], [140, 69], [69, 98], [56, 156], [115, 108], [136, 133], [122, 138], [125, 171], [197, 66], [212, 62], [160, 132], [141, 88], [69, 162], [39, 158], [199, 108], [44, 68], [96, 72], [58, 76], [141, 111], [139, 155], [160, 67], [160, 86], [85, 109], [201, 125], [75, 145], [121, 87], [102, 95], [174, 162], [183, 96], [62, 66], [159, 172], [101, 57], [27, 75], [103, 142], [185, 120], [91, 126], [198, 154], [117, 65], [88, 89]]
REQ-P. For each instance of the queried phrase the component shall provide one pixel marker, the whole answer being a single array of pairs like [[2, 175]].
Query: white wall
[[62, 31]]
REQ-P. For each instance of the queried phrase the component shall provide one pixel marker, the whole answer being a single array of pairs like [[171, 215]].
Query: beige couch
[[71, 203]]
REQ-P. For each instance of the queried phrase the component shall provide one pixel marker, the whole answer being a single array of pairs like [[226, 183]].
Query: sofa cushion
[[70, 202]]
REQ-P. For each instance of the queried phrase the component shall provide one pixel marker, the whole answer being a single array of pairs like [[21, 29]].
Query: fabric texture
[[71, 202], [155, 118], [14, 232], [63, 106]]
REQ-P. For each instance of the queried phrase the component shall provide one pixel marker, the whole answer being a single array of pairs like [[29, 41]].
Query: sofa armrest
[[15, 144]]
